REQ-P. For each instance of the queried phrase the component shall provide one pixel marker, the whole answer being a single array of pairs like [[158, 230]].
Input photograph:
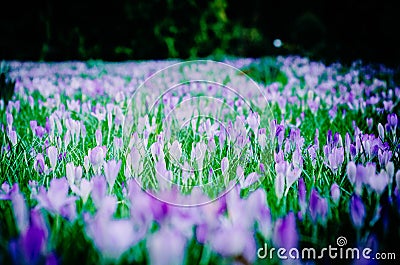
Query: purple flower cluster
[[92, 164]]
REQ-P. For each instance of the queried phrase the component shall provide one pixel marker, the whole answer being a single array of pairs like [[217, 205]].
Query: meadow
[[199, 162]]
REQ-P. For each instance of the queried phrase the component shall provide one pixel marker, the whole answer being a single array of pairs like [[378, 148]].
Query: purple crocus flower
[[302, 191], [12, 135], [9, 119], [52, 153], [285, 232], [392, 121], [384, 157], [118, 143], [398, 179], [381, 131], [352, 174], [262, 168], [73, 174], [166, 246], [336, 158], [250, 179], [97, 156], [232, 240], [370, 122], [253, 120], [20, 209], [5, 191], [111, 170], [314, 204], [379, 182], [112, 237], [157, 151], [99, 189], [318, 206], [335, 193], [224, 165], [99, 113], [99, 137], [313, 154], [175, 150], [84, 189], [357, 211], [164, 176], [40, 165], [56, 199], [31, 245], [279, 185], [33, 124], [390, 171], [39, 131], [292, 174]]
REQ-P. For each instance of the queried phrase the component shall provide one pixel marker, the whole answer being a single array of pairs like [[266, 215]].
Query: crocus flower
[[56, 199], [166, 247], [97, 156], [352, 173], [99, 189], [285, 232], [100, 113], [12, 135], [398, 179], [52, 153], [85, 189], [99, 137], [392, 121], [74, 174], [233, 240], [240, 175], [292, 174], [390, 171], [253, 120], [33, 124], [335, 193], [118, 143], [20, 209], [381, 131], [314, 204], [135, 162], [370, 122], [379, 182], [336, 158], [31, 245], [250, 179], [198, 154], [5, 191], [112, 237], [224, 165], [302, 191], [111, 170], [40, 165], [384, 157], [157, 151], [9, 119], [357, 211], [163, 175]]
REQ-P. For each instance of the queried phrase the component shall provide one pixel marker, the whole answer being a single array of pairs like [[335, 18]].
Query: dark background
[[121, 30]]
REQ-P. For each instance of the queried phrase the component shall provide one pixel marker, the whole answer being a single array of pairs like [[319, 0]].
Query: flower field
[[200, 162]]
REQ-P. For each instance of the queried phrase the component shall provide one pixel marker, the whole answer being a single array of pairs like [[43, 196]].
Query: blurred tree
[[157, 29]]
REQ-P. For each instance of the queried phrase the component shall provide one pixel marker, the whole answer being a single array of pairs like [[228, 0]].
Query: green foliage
[[6, 85]]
